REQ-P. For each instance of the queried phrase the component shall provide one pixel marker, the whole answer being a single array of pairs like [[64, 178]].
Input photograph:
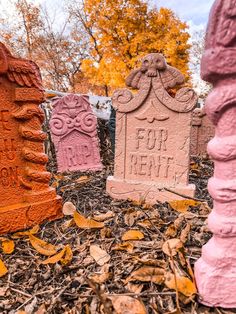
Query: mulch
[[35, 288]]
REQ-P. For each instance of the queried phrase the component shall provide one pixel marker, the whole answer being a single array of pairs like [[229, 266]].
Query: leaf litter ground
[[131, 265]]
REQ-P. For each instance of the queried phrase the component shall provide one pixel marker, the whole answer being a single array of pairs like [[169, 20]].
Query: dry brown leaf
[[146, 223], [8, 246], [183, 205], [68, 209], [127, 305], [135, 288], [184, 233], [132, 235], [87, 223], [184, 284], [101, 277], [3, 269], [126, 246], [171, 247], [105, 233], [171, 231], [21, 234], [41, 246], [64, 256], [151, 262], [204, 209], [103, 217], [148, 274], [99, 255]]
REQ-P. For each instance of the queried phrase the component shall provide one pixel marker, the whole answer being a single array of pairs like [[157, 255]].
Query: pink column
[[215, 271]]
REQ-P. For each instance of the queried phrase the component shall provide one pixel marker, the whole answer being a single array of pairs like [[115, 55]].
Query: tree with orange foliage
[[123, 31]]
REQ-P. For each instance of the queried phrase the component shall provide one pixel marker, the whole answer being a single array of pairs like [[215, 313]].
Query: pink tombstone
[[215, 271], [152, 135], [74, 133], [202, 132]]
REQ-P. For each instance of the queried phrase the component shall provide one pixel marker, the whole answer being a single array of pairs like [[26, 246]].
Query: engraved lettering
[[7, 149], [139, 136], [4, 116], [9, 176], [154, 166]]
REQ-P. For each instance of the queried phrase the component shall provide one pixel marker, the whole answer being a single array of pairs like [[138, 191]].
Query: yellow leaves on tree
[[121, 32]]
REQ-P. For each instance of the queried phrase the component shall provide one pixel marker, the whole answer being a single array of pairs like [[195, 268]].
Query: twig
[[22, 292], [183, 195], [175, 277]]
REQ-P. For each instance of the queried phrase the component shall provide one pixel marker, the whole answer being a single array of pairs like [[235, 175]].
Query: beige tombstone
[[152, 135], [202, 132]]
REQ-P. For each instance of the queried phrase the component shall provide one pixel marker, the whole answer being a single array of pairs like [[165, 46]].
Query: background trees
[[98, 42]]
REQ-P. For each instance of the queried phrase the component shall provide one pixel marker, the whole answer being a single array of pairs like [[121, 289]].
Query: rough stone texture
[[152, 134], [25, 196], [202, 131], [74, 133], [215, 271]]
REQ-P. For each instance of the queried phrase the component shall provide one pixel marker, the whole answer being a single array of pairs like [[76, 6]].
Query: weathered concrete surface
[[152, 134]]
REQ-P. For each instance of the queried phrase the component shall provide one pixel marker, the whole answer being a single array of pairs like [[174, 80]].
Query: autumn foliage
[[97, 44]]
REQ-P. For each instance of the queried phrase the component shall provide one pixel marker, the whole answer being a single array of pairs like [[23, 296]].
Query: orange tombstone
[[25, 196]]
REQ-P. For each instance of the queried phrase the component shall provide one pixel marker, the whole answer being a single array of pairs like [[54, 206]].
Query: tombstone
[[152, 135], [25, 196], [215, 271], [74, 133], [202, 132]]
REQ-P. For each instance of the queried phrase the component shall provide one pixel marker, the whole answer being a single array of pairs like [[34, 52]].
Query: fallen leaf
[[64, 256], [126, 246], [170, 247], [103, 217], [184, 284], [8, 246], [68, 209], [101, 277], [105, 233], [135, 288], [132, 235], [41, 246], [100, 256], [183, 205], [147, 274], [184, 233], [146, 223], [127, 305], [3, 269], [21, 234], [87, 223], [83, 179]]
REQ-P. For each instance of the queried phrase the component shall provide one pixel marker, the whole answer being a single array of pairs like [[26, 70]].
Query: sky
[[195, 12]]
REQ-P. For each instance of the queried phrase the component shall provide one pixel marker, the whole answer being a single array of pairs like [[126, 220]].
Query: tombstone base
[[24, 215], [151, 193], [215, 274]]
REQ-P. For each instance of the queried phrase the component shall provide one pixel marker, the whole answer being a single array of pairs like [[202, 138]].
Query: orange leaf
[[41, 246], [184, 284], [64, 256], [86, 223], [148, 274], [21, 234], [3, 269], [126, 246], [183, 205], [8, 246], [132, 235]]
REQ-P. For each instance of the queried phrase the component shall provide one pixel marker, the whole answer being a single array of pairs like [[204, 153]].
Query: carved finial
[[20, 71]]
